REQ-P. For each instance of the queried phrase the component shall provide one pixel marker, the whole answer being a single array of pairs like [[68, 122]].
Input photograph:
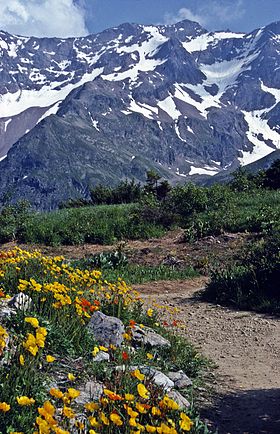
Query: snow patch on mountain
[[225, 73], [168, 106], [143, 52], [52, 111], [273, 91], [206, 170], [12, 104], [202, 42], [259, 132]]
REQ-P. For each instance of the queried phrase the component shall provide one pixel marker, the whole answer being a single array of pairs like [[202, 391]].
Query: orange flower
[[112, 395], [56, 393]]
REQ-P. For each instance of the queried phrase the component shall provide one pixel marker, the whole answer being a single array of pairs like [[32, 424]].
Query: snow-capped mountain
[[79, 111]]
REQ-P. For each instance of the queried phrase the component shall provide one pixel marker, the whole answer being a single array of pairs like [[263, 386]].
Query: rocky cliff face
[[80, 111]]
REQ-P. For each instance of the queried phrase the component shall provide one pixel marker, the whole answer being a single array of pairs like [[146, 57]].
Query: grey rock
[[106, 329], [158, 378], [5, 310], [90, 391], [21, 301], [180, 399], [181, 380], [102, 356], [153, 374], [148, 337]]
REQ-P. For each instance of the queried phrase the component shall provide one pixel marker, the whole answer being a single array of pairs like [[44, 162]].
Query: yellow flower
[[140, 427], [68, 412], [165, 429], [50, 359], [93, 422], [104, 419], [156, 411], [42, 331], [132, 422], [129, 397], [141, 408], [169, 403], [33, 321], [150, 312], [116, 419], [56, 393], [21, 360], [150, 428], [73, 393], [91, 406], [103, 348], [131, 412], [95, 351], [71, 377], [47, 410], [91, 431], [149, 356], [185, 422], [112, 395], [137, 374], [60, 431], [24, 400], [4, 407], [143, 392]]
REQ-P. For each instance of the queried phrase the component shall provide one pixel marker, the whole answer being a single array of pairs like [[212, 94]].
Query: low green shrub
[[253, 282], [103, 224]]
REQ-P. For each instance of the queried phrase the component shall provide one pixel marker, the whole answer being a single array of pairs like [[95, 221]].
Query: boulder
[[158, 377], [106, 329], [148, 337], [21, 301], [102, 356], [153, 375], [180, 379], [180, 399], [90, 391]]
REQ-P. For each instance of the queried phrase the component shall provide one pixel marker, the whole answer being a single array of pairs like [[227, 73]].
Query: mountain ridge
[[176, 98]]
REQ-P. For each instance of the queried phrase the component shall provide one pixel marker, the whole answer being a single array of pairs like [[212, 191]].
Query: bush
[[13, 219], [252, 283], [100, 225]]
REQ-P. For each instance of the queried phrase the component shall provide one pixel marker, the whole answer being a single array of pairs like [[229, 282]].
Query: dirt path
[[246, 348]]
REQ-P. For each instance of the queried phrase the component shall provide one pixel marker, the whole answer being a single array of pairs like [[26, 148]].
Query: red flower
[[85, 302], [125, 356], [132, 323]]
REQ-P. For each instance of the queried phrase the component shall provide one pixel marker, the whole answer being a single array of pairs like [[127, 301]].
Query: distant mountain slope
[[226, 176], [79, 111]]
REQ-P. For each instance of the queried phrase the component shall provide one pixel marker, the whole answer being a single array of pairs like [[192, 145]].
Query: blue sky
[[79, 17]]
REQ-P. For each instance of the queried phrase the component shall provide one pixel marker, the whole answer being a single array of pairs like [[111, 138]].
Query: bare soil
[[246, 349]]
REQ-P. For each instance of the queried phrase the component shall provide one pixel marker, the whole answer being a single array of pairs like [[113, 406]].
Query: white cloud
[[213, 13], [227, 11], [184, 14], [47, 18]]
